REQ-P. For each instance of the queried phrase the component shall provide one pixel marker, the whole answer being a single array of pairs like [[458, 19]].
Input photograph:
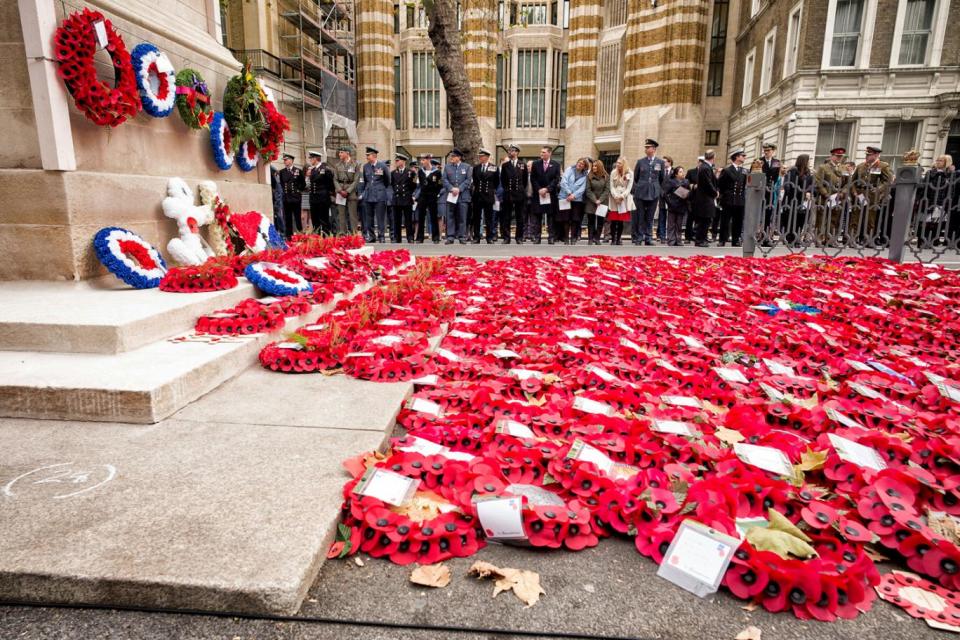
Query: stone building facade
[[815, 74]]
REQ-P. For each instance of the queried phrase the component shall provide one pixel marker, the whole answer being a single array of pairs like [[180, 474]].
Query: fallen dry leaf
[[750, 633], [524, 584], [357, 561], [750, 606], [432, 575], [875, 555], [812, 460], [728, 436]]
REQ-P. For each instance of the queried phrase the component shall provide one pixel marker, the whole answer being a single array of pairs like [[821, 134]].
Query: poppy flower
[[853, 530], [819, 515]]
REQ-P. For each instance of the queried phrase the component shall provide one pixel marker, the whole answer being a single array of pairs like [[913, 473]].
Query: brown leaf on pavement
[[524, 584], [750, 633], [433, 575]]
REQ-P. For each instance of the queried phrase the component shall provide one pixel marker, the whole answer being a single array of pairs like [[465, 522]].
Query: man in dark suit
[[692, 179], [321, 192], [649, 174], [292, 182], [705, 198], [733, 192], [545, 181], [771, 169], [513, 179], [430, 182], [404, 182], [486, 179]]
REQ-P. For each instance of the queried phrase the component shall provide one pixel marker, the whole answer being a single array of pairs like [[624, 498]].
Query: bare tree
[[445, 35]]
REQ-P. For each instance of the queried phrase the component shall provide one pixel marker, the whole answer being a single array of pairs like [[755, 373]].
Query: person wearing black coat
[[797, 200], [676, 195], [692, 179], [544, 180], [430, 183], [292, 183], [732, 185], [705, 198], [771, 169], [514, 179], [486, 179], [404, 181], [321, 193]]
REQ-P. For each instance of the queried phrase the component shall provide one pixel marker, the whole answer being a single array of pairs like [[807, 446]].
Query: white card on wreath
[[586, 453], [427, 381], [514, 428], [422, 405], [731, 375], [592, 406], [423, 447], [390, 487], [766, 458], [858, 454], [501, 518], [697, 558], [675, 427], [101, 31], [317, 263]]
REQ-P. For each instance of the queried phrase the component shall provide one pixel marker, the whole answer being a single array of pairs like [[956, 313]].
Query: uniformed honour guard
[[292, 183], [514, 178], [321, 189], [649, 174], [732, 185], [871, 188], [376, 179], [404, 182], [486, 179], [346, 180], [831, 196], [429, 185], [457, 180], [771, 168]]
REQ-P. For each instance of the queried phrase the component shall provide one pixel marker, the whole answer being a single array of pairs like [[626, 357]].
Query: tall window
[[766, 71], [426, 92], [608, 84], [847, 24], [711, 138], [533, 13], [531, 87], [396, 17], [503, 91], [718, 46], [565, 14], [558, 111], [792, 52], [917, 24], [616, 12], [754, 7], [416, 16], [898, 138], [831, 135], [397, 94], [748, 70]]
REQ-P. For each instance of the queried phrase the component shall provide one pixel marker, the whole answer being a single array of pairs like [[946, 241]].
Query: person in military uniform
[[404, 182], [321, 190], [732, 185], [429, 184], [829, 182], [376, 179], [771, 169], [705, 198], [486, 179], [871, 189], [457, 180], [514, 179], [346, 179], [649, 174], [292, 183]]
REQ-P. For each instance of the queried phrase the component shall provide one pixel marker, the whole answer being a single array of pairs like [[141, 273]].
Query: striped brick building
[[590, 77]]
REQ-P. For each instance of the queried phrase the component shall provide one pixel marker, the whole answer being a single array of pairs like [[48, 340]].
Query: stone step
[[229, 505], [100, 316], [104, 315], [141, 386]]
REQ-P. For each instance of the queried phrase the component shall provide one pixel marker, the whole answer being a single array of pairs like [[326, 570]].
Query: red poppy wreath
[[76, 41]]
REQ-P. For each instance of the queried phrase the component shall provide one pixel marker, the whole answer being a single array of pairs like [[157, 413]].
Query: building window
[[565, 14], [503, 91], [748, 70], [531, 87], [616, 12], [754, 7], [554, 12], [718, 46], [608, 85], [898, 138], [416, 16], [558, 112], [831, 135], [396, 18], [711, 138], [426, 92], [845, 43], [792, 52], [533, 13], [917, 24], [397, 93], [769, 51], [609, 158]]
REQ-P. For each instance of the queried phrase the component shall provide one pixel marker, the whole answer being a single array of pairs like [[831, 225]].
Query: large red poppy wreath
[[658, 368]]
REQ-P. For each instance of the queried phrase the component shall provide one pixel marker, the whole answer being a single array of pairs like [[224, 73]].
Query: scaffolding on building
[[316, 69]]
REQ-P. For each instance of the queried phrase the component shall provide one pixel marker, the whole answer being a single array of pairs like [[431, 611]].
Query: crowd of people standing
[[521, 201]]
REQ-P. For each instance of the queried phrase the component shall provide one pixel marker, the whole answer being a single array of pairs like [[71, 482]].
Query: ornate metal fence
[[909, 214]]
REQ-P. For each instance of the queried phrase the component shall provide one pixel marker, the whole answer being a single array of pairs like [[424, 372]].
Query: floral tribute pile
[[808, 407]]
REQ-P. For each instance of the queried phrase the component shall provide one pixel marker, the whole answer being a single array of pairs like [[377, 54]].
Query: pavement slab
[[182, 514]]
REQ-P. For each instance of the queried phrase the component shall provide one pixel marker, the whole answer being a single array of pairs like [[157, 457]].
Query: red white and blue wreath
[[247, 156], [276, 280], [129, 257], [221, 141], [155, 79]]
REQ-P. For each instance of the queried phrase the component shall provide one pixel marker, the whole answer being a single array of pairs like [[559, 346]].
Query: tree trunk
[[445, 36]]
